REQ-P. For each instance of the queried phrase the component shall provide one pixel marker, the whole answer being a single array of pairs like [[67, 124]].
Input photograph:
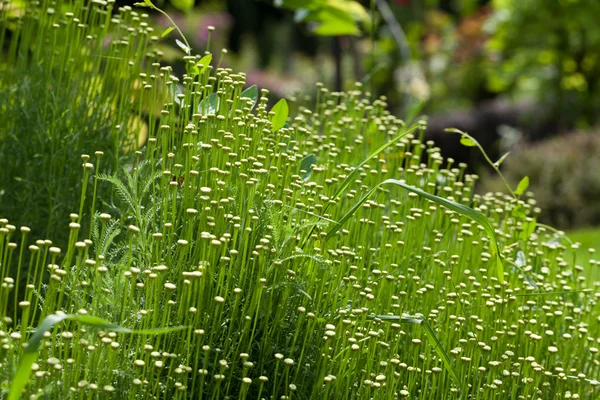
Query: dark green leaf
[[29, 355], [306, 164], [281, 111]]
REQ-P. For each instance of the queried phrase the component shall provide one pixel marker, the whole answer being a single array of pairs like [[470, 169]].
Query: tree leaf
[[468, 212], [501, 160], [305, 165], [183, 46], [281, 111], [30, 353], [167, 31], [336, 27], [209, 105], [183, 5], [465, 141], [522, 186]]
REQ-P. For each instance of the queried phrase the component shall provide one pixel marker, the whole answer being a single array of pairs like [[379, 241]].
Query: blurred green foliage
[[330, 17], [550, 50], [563, 175]]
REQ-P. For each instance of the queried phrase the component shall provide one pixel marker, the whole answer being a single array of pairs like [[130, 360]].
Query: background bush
[[563, 174]]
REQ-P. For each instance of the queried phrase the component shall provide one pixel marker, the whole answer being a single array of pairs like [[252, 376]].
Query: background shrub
[[563, 174]]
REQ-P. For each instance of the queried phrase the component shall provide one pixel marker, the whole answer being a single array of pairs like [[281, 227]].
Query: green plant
[[563, 177], [557, 62], [311, 250], [66, 90]]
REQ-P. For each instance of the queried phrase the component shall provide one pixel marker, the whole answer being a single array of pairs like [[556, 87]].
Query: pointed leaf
[[306, 164], [202, 65], [204, 62], [183, 46], [501, 160], [281, 111], [522, 186], [167, 31]]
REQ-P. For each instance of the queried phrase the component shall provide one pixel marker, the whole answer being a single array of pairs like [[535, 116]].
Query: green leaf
[[167, 31], [522, 186], [281, 111], [250, 93], [209, 105], [468, 212], [202, 64], [431, 337], [295, 4], [29, 355], [351, 8], [149, 3], [501, 160], [337, 27], [176, 90], [465, 141], [183, 46], [306, 164], [183, 5]]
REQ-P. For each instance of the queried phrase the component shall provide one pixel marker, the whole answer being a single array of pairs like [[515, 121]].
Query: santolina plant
[[68, 85], [317, 249]]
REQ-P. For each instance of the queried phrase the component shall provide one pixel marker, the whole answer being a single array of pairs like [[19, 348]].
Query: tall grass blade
[[30, 353], [468, 212], [431, 337]]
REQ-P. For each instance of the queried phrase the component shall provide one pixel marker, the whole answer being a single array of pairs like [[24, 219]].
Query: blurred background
[[522, 76]]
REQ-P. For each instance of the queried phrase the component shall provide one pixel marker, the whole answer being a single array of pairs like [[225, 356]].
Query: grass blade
[[468, 212], [431, 337], [29, 356], [346, 182]]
